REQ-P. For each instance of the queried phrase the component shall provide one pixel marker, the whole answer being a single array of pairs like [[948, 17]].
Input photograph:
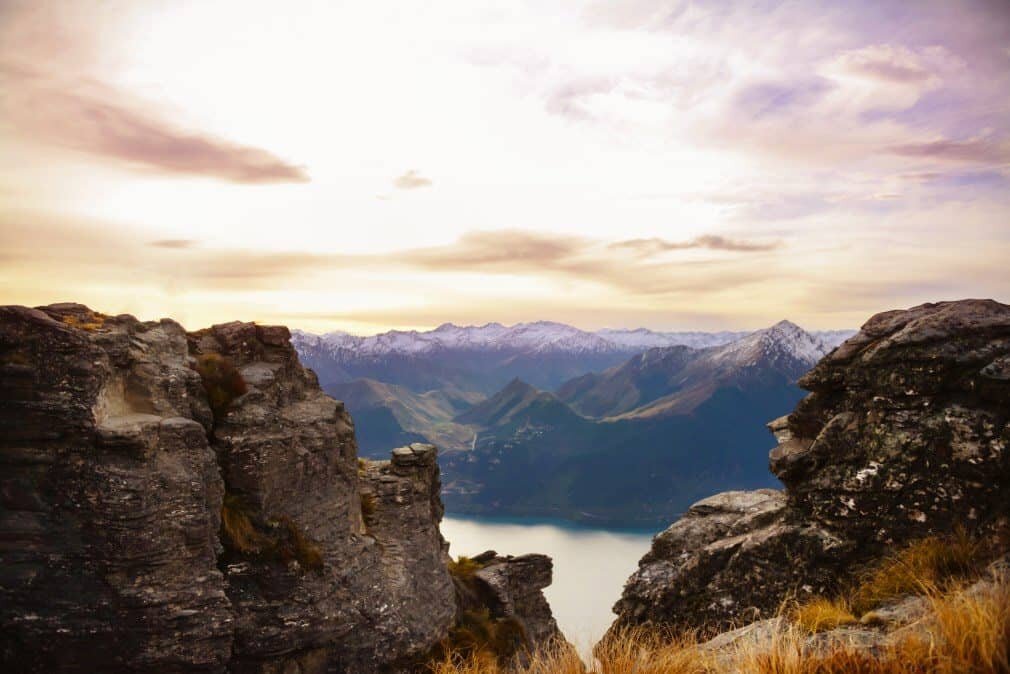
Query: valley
[[616, 428]]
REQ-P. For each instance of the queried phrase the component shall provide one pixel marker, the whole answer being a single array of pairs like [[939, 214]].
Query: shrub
[[463, 567], [221, 380]]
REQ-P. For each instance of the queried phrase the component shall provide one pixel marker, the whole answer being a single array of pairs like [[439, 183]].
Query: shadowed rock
[[141, 530]]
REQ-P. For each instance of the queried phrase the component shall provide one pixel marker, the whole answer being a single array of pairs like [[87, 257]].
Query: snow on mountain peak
[[785, 339], [553, 337]]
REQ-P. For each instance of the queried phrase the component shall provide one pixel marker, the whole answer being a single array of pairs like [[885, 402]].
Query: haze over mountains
[[620, 426]]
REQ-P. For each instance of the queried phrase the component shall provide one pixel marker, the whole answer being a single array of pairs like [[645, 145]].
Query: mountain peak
[[786, 325], [784, 340]]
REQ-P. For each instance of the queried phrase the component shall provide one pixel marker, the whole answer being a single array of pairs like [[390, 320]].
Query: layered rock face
[[511, 588], [287, 453], [110, 499], [155, 520], [906, 433]]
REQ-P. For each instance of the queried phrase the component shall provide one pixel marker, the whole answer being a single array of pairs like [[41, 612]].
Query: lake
[[590, 565]]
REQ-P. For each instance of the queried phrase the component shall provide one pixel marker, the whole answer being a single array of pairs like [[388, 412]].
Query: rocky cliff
[[179, 502], [905, 433]]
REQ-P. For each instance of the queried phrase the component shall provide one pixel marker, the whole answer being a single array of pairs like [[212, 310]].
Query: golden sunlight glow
[[364, 166]]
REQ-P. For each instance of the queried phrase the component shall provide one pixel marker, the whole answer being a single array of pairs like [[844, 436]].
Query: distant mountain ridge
[[674, 379], [638, 441], [485, 358], [537, 337]]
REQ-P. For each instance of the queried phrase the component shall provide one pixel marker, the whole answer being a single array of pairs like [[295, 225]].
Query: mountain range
[[545, 419], [484, 358]]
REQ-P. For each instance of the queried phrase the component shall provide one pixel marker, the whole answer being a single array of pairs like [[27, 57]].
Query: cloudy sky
[[371, 165]]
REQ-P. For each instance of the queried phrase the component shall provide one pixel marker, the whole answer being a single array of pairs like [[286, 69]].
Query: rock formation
[[179, 502], [511, 588], [906, 433]]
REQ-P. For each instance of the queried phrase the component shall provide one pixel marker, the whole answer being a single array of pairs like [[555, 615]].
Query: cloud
[[411, 180], [177, 244], [509, 249], [712, 242], [890, 63], [642, 269], [977, 150], [768, 98], [56, 93], [637, 267], [90, 117]]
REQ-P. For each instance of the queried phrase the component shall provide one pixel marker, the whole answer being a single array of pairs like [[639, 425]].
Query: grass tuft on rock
[[822, 614], [464, 567], [91, 322], [480, 640], [922, 567], [279, 539]]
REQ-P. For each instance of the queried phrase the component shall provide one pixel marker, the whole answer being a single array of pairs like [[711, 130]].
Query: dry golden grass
[[650, 652], [237, 529], [923, 567], [368, 505], [821, 614], [479, 642], [90, 323], [972, 630], [283, 540], [968, 633], [290, 544]]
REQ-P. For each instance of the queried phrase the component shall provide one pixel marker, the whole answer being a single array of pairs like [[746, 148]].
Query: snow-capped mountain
[[537, 337], [782, 343], [672, 420], [643, 338], [673, 380], [482, 358]]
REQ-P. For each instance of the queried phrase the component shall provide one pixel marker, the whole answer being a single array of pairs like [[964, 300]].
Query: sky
[[372, 165]]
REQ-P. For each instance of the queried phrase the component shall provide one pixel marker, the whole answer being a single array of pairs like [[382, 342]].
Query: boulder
[[905, 433]]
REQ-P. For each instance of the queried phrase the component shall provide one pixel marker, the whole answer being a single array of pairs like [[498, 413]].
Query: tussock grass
[[645, 651], [479, 642], [279, 539], [973, 630], [923, 567], [222, 382], [967, 631], [821, 614]]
